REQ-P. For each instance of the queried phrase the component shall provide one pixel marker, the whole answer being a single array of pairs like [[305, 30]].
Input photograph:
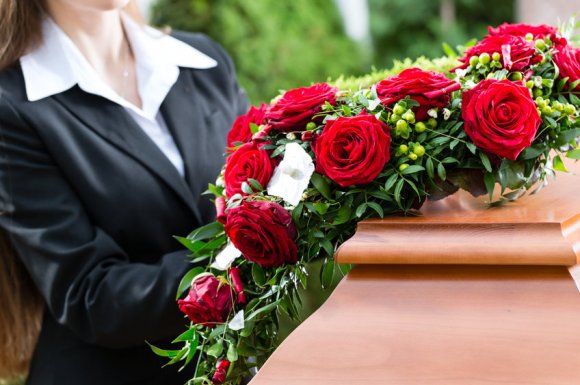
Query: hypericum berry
[[547, 110], [398, 109], [432, 123], [413, 156], [557, 105], [484, 58], [529, 36], [541, 103], [538, 92], [402, 125], [540, 44], [419, 150], [404, 148], [516, 76], [496, 56], [569, 109], [420, 127], [473, 60], [409, 116], [311, 126], [395, 118], [530, 84], [403, 167]]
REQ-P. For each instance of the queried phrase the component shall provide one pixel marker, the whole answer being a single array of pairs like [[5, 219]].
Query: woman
[[109, 132]]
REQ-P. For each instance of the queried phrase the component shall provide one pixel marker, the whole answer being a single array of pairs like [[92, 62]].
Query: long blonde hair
[[22, 306]]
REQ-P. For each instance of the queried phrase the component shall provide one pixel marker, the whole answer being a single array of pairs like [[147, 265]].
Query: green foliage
[[275, 44], [402, 28]]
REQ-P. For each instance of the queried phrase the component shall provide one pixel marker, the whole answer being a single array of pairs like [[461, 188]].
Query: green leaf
[[257, 186], [185, 282], [258, 275], [232, 353], [246, 188], [346, 110], [320, 183], [343, 214], [192, 349], [263, 310], [321, 207], [485, 161], [327, 273], [188, 335], [398, 189], [489, 181], [163, 352], [574, 84], [430, 168], [574, 100], [216, 349], [412, 169], [327, 246], [471, 147], [441, 171], [375, 206], [574, 154], [205, 232], [532, 152], [567, 136], [248, 328], [360, 210], [558, 164], [391, 182], [448, 50], [254, 128]]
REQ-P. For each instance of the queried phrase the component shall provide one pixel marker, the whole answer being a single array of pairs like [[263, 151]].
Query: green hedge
[[275, 44]]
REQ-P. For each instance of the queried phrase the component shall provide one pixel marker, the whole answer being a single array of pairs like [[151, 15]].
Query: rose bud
[[238, 286], [209, 301], [241, 131], [307, 136], [220, 208], [261, 136], [221, 370]]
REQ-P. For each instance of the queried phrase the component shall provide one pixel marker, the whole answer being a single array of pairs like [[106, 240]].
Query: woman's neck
[[100, 37]]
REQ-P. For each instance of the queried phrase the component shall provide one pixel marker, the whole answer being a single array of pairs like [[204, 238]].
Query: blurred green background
[[278, 45]]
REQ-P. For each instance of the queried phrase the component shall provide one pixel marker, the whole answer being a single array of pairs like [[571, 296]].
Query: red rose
[[430, 89], [209, 301], [248, 161], [568, 61], [264, 233], [517, 53], [221, 370], [538, 31], [500, 117], [297, 107], [353, 150], [240, 131]]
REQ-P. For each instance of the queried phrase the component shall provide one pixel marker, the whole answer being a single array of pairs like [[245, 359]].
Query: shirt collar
[[57, 64]]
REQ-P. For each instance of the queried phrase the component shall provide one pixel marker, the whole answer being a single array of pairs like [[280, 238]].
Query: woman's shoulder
[[12, 86], [206, 45]]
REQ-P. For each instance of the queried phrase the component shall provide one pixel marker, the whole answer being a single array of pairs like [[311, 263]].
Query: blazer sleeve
[[86, 279]]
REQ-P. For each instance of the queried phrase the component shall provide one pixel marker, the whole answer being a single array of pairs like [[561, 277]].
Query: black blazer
[[90, 204]]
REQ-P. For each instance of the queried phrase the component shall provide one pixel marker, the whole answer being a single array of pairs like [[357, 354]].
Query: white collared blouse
[[57, 65]]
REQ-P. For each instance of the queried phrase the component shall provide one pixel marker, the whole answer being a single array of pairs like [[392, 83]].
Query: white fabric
[[57, 65]]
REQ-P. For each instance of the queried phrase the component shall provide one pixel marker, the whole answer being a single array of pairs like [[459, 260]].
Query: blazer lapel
[[184, 116], [97, 113]]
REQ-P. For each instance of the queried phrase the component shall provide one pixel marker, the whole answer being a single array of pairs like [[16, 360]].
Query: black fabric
[[91, 204]]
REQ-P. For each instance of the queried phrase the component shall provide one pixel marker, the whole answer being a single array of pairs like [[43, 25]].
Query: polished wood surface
[[541, 229], [441, 325], [461, 294]]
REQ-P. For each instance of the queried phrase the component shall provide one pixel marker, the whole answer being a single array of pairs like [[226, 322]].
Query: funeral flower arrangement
[[303, 170]]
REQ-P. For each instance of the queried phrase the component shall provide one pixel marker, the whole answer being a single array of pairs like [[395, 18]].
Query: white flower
[[225, 258], [291, 177], [374, 103], [446, 113], [432, 112], [237, 323]]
